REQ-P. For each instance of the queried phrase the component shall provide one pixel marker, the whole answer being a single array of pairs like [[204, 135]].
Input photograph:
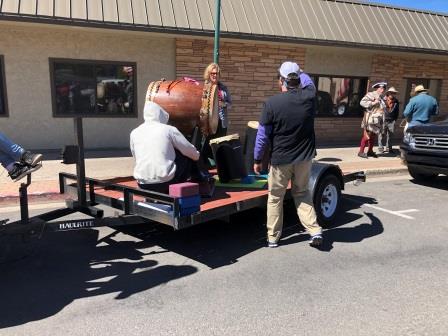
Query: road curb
[[38, 197], [386, 171]]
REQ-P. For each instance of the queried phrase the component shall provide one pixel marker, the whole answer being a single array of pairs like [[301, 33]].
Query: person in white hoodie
[[163, 156]]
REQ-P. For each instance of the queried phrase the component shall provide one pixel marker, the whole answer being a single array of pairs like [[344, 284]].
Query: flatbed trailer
[[137, 206]]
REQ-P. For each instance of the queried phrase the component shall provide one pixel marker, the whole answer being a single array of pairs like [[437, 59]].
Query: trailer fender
[[318, 170], [325, 185]]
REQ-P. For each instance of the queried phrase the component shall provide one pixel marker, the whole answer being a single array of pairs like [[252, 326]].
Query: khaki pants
[[279, 177]]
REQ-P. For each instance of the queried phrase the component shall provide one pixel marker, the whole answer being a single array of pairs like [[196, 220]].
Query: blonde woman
[[211, 75]]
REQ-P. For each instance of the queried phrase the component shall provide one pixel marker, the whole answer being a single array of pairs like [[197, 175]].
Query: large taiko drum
[[189, 104]]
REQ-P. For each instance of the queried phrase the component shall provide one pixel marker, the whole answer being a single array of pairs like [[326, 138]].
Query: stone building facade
[[172, 40], [250, 69]]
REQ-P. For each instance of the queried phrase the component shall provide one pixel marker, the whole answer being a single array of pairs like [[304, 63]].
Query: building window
[[82, 88], [433, 86], [3, 97], [339, 96]]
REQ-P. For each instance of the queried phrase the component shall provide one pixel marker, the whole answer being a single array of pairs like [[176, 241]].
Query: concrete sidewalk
[[45, 187]]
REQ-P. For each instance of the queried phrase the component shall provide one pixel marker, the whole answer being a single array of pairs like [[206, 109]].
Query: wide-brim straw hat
[[420, 88], [392, 90]]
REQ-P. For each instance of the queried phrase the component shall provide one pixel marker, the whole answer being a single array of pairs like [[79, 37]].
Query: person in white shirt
[[163, 156]]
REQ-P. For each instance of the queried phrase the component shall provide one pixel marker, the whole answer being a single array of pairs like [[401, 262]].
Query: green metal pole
[[217, 29]]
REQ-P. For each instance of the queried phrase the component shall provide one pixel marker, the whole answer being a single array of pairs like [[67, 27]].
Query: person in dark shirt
[[391, 111], [287, 124]]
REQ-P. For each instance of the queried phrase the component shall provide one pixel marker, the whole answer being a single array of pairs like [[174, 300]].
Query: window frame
[[418, 81], [366, 78], [76, 61], [3, 92]]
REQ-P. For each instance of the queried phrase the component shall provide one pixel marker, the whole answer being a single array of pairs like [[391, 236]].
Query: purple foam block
[[184, 189]]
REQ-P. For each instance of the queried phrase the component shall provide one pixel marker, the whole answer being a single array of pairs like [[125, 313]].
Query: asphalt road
[[381, 271]]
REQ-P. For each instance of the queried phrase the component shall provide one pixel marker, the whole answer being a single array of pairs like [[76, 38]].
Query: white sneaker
[[272, 244]]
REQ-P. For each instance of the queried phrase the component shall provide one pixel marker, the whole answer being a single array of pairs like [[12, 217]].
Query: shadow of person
[[352, 234], [73, 265], [394, 153], [294, 232]]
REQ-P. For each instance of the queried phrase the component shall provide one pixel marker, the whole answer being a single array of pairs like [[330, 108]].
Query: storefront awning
[[330, 22]]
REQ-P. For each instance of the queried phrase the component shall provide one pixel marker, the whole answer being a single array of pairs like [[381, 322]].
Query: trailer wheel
[[327, 199]]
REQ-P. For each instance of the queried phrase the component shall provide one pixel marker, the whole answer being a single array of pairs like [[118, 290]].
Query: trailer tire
[[327, 199]]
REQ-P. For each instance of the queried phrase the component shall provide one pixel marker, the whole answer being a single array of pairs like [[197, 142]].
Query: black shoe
[[372, 154], [316, 240], [362, 155], [30, 159], [20, 171]]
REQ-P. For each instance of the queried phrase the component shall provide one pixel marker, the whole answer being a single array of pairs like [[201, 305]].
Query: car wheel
[[418, 175], [327, 199]]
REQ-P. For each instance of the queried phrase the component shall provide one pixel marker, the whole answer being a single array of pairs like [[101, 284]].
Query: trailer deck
[[124, 194], [138, 206]]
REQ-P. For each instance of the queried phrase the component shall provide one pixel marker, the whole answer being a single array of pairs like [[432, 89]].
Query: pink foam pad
[[184, 189]]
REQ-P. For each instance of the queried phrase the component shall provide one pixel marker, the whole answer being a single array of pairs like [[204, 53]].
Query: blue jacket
[[420, 108]]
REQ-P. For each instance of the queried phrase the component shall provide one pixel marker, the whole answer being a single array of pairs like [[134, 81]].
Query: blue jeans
[[9, 151]]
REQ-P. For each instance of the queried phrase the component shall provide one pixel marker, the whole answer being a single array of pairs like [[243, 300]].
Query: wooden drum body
[[189, 104]]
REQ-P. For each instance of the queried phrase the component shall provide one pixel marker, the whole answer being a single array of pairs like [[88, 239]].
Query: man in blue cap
[[287, 124]]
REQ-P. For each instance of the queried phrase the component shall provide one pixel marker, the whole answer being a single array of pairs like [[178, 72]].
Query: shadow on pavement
[[89, 153], [74, 265], [439, 182], [329, 159], [354, 234], [219, 243], [216, 243], [337, 233]]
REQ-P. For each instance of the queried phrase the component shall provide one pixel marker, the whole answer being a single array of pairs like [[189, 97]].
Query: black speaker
[[70, 154], [228, 154]]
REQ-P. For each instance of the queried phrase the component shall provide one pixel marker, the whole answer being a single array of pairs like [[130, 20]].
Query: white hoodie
[[153, 144]]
